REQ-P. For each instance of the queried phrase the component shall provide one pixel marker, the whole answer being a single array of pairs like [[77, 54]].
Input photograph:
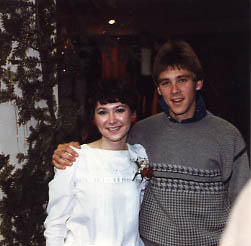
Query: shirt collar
[[200, 110]]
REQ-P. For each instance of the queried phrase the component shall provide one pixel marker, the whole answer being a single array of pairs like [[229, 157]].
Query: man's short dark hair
[[177, 54]]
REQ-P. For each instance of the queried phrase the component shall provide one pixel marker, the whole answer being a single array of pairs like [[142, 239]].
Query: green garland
[[23, 207]]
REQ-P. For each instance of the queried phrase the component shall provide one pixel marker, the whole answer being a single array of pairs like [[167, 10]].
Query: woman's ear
[[134, 117]]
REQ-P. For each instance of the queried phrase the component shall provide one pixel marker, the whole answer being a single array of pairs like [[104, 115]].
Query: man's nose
[[174, 88]]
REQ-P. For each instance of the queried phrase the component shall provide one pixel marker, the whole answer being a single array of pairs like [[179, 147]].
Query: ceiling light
[[112, 21]]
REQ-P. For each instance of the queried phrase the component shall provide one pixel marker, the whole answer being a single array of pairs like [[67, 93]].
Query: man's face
[[178, 88]]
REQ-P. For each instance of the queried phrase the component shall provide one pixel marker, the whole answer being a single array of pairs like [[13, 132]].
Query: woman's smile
[[113, 121]]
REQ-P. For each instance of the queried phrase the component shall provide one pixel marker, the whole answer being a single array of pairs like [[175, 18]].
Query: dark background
[[217, 30]]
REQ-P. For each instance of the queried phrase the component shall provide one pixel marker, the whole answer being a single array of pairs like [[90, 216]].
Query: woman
[[96, 201]]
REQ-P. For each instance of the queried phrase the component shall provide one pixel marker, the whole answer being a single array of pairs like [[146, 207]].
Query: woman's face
[[113, 121]]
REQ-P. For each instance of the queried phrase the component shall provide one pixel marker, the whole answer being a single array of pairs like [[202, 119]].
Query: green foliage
[[29, 26]]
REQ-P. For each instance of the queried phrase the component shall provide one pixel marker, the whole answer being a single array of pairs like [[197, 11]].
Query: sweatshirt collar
[[200, 110]]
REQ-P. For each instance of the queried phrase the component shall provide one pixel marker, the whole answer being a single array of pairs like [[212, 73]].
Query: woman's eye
[[101, 112], [120, 110]]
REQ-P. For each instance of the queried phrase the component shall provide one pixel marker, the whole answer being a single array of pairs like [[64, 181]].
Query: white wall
[[12, 136]]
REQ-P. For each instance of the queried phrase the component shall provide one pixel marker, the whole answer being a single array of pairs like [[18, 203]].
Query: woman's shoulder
[[84, 153], [83, 148], [137, 151]]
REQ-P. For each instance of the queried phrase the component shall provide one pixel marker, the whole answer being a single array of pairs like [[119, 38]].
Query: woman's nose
[[112, 118]]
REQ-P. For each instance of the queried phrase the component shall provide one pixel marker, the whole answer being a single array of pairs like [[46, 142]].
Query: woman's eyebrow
[[98, 108]]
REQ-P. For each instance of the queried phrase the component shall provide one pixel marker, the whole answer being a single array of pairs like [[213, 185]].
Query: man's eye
[[182, 80], [164, 83]]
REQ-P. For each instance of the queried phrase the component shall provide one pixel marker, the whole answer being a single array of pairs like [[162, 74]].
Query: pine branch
[[31, 26]]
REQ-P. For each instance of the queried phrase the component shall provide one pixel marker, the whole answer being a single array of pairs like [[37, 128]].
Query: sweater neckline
[[199, 114]]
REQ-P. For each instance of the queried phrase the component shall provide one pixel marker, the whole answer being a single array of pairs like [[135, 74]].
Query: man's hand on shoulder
[[64, 155]]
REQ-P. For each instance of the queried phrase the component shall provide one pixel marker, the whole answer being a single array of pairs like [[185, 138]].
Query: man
[[199, 160]]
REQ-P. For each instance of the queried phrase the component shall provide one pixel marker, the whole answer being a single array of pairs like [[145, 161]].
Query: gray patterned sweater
[[199, 168]]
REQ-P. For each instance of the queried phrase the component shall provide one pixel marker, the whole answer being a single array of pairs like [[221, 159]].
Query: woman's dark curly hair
[[111, 91]]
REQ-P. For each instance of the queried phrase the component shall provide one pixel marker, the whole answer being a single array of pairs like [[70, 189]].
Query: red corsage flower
[[147, 172], [144, 169]]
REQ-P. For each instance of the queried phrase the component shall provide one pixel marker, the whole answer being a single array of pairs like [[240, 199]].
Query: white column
[[12, 136]]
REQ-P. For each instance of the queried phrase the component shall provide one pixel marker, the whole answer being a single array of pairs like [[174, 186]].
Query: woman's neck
[[103, 144]]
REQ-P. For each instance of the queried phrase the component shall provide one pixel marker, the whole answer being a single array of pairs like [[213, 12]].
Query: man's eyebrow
[[164, 79], [184, 76], [179, 76]]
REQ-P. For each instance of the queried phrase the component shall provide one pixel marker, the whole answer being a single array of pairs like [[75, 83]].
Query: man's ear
[[159, 92], [199, 85]]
